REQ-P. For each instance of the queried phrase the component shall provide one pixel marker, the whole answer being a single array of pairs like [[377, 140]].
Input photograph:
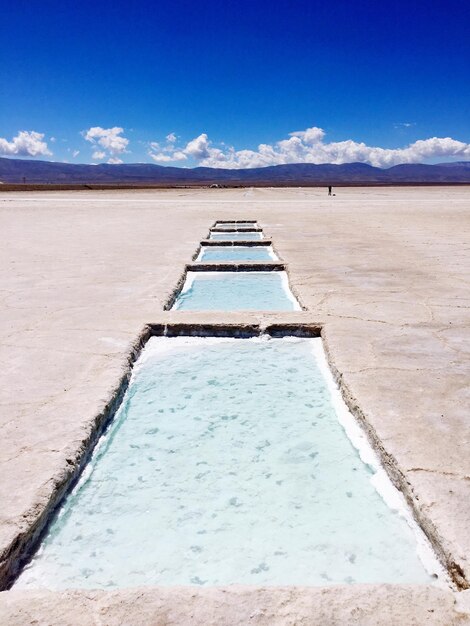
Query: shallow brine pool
[[240, 236], [227, 463], [236, 291], [236, 224], [236, 253]]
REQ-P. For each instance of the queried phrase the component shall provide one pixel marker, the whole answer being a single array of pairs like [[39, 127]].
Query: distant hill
[[456, 164], [40, 172]]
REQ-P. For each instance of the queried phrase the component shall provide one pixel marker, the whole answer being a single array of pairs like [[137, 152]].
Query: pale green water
[[225, 464], [236, 291], [248, 236], [237, 253], [236, 224]]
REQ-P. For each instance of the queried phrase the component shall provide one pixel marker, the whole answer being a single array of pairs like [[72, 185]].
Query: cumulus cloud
[[26, 143], [199, 149], [309, 146], [161, 157], [309, 136], [114, 161], [107, 141], [166, 153]]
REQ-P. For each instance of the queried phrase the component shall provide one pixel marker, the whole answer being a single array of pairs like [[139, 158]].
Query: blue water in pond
[[225, 464], [235, 224], [236, 291], [236, 253], [248, 236]]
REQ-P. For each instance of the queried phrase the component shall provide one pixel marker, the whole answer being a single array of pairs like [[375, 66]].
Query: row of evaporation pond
[[236, 269], [232, 460]]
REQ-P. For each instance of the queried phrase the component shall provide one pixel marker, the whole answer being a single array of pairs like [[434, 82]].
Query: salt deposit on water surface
[[236, 253], [236, 291], [227, 463], [240, 236]]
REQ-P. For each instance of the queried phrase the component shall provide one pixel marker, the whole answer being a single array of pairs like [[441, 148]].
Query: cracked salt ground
[[226, 463]]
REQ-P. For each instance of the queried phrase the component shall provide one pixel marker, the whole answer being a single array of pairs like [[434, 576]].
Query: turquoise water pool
[[236, 291], [235, 224], [226, 463], [246, 236], [237, 253]]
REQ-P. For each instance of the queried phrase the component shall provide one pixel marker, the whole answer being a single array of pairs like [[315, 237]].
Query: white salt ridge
[[394, 499]]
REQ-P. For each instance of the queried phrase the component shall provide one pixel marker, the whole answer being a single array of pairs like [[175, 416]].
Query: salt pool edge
[[382, 482], [379, 480]]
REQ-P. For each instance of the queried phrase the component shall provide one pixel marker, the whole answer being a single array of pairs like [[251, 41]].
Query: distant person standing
[[330, 189]]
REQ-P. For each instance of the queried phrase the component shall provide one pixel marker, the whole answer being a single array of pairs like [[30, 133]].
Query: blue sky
[[221, 78]]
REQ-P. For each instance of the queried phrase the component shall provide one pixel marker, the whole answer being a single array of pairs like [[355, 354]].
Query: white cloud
[[108, 141], [166, 153], [114, 161], [198, 148], [308, 146], [161, 157], [309, 136], [26, 143], [52, 139], [75, 153]]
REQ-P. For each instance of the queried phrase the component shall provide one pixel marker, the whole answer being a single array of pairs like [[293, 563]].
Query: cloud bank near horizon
[[307, 146], [304, 146]]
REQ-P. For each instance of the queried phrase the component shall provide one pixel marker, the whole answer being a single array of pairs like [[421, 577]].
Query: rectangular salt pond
[[235, 224], [240, 236], [236, 291], [229, 461], [236, 253]]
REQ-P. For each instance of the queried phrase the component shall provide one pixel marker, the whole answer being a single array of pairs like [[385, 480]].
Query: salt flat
[[385, 271]]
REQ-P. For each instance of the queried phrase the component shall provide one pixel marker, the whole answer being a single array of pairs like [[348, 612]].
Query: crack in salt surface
[[439, 472], [363, 319]]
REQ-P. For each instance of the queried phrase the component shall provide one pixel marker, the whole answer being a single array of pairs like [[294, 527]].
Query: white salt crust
[[386, 489]]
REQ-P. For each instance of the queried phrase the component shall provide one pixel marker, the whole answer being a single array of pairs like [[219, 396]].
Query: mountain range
[[49, 172]]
